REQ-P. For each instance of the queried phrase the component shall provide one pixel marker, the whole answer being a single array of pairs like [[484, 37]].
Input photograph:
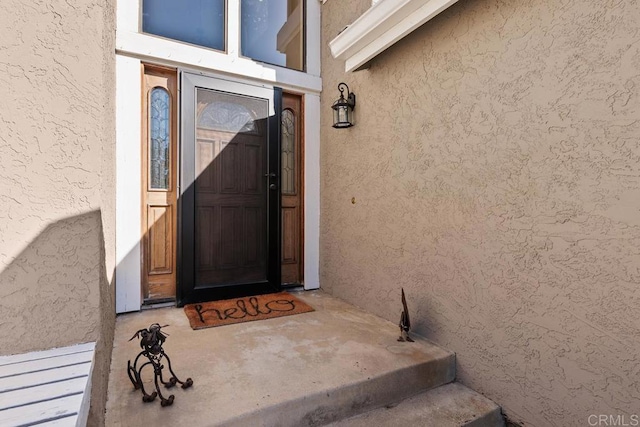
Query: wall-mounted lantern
[[343, 108]]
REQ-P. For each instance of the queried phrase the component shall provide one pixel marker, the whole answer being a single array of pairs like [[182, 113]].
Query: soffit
[[385, 23]]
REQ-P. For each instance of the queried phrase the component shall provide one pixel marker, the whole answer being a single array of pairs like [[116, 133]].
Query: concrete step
[[451, 405], [304, 370]]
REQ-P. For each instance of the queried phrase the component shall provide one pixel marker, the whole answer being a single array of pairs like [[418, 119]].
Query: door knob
[[273, 186]]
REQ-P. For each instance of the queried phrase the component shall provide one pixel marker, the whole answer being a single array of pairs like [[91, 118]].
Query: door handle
[[272, 186]]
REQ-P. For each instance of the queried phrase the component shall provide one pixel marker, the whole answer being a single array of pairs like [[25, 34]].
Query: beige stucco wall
[[57, 149], [495, 166]]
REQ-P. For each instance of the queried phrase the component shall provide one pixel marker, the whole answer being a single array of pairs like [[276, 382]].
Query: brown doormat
[[226, 312]]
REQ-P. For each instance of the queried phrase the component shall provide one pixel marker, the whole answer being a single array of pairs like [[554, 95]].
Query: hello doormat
[[226, 312]]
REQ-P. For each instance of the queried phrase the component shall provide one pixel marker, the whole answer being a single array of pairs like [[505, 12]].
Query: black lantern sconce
[[343, 108]]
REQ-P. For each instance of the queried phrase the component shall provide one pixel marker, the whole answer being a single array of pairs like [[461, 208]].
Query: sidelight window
[[288, 154], [159, 132]]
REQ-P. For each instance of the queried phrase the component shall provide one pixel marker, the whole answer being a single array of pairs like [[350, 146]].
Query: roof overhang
[[385, 23]]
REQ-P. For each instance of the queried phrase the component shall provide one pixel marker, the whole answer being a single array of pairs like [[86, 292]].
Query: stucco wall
[[495, 166], [57, 147]]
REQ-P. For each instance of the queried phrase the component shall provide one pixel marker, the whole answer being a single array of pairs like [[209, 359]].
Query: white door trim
[[311, 191], [128, 184]]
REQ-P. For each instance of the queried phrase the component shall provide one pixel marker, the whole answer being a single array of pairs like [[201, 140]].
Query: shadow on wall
[[51, 293], [56, 293]]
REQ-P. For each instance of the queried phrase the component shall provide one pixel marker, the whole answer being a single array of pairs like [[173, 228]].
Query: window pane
[[227, 116], [272, 31], [159, 132], [288, 154], [200, 22]]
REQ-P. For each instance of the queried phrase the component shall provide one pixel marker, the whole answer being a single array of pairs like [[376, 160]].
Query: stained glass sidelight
[[159, 135], [288, 160]]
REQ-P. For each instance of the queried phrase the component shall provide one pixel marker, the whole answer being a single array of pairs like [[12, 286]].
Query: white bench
[[46, 388]]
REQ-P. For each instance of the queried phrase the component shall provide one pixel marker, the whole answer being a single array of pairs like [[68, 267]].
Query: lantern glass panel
[[343, 114]]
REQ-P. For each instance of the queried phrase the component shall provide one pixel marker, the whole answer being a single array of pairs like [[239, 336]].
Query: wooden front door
[[230, 189], [159, 179], [291, 188]]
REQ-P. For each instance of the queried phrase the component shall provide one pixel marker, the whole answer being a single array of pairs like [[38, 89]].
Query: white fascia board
[[385, 23]]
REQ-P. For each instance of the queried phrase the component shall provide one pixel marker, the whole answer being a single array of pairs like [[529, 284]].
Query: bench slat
[[62, 422], [41, 411], [44, 377], [35, 355], [25, 367], [39, 393]]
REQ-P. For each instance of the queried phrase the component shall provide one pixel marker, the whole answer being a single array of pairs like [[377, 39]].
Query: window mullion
[[233, 28]]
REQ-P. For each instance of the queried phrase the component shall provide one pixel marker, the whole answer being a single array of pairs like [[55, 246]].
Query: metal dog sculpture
[[151, 341]]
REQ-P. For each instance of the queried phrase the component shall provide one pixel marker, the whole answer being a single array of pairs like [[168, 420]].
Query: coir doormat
[[226, 312]]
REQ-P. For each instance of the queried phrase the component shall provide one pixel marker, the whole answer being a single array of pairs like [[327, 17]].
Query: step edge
[[489, 415], [492, 418], [302, 411]]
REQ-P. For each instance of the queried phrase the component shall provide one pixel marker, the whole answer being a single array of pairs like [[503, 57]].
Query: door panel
[[238, 158], [291, 165], [160, 240], [229, 191], [159, 189], [290, 239]]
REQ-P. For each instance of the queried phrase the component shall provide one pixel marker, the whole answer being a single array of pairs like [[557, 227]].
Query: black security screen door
[[229, 196]]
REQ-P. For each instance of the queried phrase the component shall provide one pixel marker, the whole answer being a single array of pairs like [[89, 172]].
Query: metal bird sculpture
[[405, 322]]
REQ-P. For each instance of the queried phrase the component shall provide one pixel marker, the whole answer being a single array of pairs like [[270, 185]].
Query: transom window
[[199, 22], [270, 31]]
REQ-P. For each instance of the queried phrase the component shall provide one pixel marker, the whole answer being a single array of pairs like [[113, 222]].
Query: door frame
[[126, 268], [186, 292]]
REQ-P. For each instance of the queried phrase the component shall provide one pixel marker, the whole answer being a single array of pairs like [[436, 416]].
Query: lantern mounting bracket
[[351, 97]]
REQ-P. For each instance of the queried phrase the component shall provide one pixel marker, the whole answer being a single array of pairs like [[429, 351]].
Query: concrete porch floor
[[307, 369]]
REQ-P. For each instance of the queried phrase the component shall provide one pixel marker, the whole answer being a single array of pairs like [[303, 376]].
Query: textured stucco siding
[[57, 147], [495, 166]]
